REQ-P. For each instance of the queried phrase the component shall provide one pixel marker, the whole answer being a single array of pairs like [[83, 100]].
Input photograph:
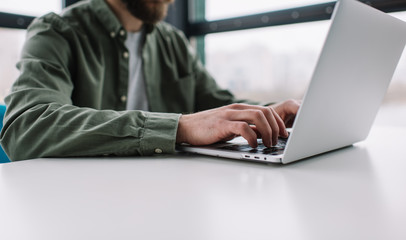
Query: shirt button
[[123, 98], [126, 55], [113, 34], [122, 33], [158, 151]]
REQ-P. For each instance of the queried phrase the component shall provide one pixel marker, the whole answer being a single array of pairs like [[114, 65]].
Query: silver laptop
[[359, 57]]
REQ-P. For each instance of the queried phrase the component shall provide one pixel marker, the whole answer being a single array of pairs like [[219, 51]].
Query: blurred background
[[263, 50]]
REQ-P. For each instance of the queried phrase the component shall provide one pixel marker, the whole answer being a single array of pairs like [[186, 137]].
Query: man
[[108, 77]]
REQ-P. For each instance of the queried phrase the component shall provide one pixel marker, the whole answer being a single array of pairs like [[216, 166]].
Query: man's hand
[[287, 110], [225, 123]]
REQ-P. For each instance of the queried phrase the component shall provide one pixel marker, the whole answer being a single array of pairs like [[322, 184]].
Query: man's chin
[[160, 2], [149, 11]]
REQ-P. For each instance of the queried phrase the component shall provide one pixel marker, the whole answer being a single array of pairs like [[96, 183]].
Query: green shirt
[[70, 97]]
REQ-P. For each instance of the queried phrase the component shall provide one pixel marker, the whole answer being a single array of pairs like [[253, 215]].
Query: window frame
[[189, 16], [316, 12], [20, 21]]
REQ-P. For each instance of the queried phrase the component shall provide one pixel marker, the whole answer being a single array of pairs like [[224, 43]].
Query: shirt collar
[[106, 16]]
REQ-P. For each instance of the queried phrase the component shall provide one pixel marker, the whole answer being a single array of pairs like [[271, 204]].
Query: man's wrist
[[180, 134]]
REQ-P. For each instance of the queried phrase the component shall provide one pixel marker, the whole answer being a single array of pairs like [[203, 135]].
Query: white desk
[[354, 193]]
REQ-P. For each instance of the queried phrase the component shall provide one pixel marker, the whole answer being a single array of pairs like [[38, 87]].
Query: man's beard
[[148, 11]]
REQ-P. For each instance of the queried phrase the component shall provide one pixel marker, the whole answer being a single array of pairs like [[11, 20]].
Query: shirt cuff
[[159, 133]]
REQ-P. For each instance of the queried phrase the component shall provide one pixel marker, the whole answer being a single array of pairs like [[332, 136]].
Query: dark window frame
[[19, 21], [183, 15], [303, 14], [188, 16]]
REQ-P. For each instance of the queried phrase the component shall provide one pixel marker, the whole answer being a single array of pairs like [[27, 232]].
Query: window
[[397, 88], [277, 62], [266, 64], [233, 8], [10, 46], [15, 15], [29, 7]]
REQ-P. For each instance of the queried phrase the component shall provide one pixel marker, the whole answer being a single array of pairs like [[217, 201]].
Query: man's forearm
[[53, 130]]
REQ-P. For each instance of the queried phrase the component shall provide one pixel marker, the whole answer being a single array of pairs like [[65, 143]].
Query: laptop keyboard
[[262, 149]]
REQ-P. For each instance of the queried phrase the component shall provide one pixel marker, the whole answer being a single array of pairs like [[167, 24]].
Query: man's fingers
[[270, 113], [287, 110], [257, 118], [226, 122], [274, 121], [243, 129], [254, 128], [281, 124]]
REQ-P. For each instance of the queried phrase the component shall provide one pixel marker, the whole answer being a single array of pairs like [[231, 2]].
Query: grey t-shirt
[[136, 97]]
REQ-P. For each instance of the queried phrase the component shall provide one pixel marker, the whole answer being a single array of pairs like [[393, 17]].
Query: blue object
[[3, 156]]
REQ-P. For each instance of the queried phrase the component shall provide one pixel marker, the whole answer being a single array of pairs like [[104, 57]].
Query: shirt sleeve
[[42, 121]]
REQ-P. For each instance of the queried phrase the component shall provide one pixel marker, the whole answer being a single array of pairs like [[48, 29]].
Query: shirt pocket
[[180, 94]]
